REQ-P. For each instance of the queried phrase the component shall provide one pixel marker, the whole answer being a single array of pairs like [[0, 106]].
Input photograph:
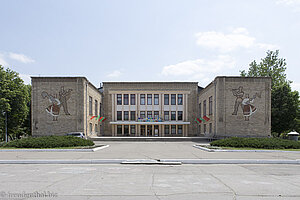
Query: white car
[[76, 134]]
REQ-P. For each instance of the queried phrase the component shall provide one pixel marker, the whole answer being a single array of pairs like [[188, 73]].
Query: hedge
[[258, 143], [49, 142]]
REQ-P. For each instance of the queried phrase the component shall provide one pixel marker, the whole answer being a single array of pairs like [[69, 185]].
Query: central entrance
[[149, 131]]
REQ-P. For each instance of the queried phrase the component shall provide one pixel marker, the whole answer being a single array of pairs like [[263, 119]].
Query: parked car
[[76, 134]]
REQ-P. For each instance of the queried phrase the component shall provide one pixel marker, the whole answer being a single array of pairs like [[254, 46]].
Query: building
[[228, 106]]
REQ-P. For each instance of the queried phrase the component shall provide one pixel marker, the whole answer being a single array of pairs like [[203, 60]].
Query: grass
[[232, 148]]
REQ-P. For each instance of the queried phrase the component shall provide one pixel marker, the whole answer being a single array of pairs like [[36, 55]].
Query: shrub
[[49, 142], [259, 143]]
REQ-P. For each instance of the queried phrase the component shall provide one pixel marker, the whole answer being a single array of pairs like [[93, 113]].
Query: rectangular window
[[167, 129], [156, 99], [210, 105], [142, 99], [126, 99], [91, 128], [132, 115], [149, 99], [132, 130], [100, 107], [156, 114], [173, 99], [96, 128], [142, 114], [204, 128], [180, 99], [210, 127], [132, 99], [180, 129], [90, 106], [166, 99], [166, 113], [119, 130], [173, 129], [119, 115], [180, 116], [149, 114], [119, 99], [143, 130], [96, 107], [173, 115], [200, 110], [126, 115], [204, 108], [126, 130]]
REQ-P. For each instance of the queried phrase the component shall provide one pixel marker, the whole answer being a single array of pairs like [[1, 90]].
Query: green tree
[[285, 102], [14, 99]]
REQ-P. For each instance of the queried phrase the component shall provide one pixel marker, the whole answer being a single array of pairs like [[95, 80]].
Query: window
[[173, 129], [179, 129], [90, 105], [119, 115], [149, 99], [132, 99], [142, 99], [166, 99], [204, 128], [100, 107], [167, 129], [173, 99], [166, 113], [126, 115], [132, 130], [156, 99], [126, 99], [96, 128], [91, 128], [126, 130], [142, 114], [143, 130], [200, 109], [173, 115], [204, 108], [119, 99], [180, 115], [210, 127], [156, 114], [180, 99], [210, 105], [132, 115], [96, 107], [119, 130], [149, 114]]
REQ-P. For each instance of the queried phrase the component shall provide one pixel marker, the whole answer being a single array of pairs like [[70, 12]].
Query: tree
[[14, 99], [285, 102]]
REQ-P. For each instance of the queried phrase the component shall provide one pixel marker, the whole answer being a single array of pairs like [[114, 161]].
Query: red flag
[[93, 117], [199, 120], [206, 118]]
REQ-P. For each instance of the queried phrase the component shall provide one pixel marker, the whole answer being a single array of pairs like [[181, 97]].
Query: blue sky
[[147, 40]]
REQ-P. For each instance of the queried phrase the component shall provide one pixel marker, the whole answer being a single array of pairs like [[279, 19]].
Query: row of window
[[210, 105], [168, 129], [150, 99], [96, 107], [205, 129], [150, 114]]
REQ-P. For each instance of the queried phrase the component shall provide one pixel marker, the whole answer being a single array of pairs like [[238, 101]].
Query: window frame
[[149, 114], [126, 115], [166, 99], [149, 99], [132, 99], [119, 113], [179, 113], [166, 115], [119, 99], [180, 99], [156, 99], [90, 105], [173, 115], [142, 99], [132, 115], [173, 99], [126, 99]]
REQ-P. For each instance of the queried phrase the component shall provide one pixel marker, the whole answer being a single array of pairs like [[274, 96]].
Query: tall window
[[91, 128], [156, 99], [200, 108], [90, 105], [204, 108], [119, 115], [149, 99], [126, 115], [179, 129], [126, 99], [100, 107], [142, 114], [119, 130], [173, 99], [173, 129], [96, 128], [156, 114], [149, 114], [142, 99], [119, 99], [126, 130], [180, 115], [132, 99], [96, 107], [166, 99], [132, 115], [166, 113], [210, 105], [132, 130], [210, 127], [204, 128], [180, 99], [173, 115], [167, 129]]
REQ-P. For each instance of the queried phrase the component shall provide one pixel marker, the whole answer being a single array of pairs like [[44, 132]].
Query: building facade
[[228, 106]]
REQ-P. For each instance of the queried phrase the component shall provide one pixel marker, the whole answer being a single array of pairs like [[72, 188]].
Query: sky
[[147, 40]]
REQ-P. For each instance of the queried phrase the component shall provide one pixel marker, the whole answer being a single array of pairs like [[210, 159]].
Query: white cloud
[[2, 60], [294, 4], [21, 58], [238, 38], [114, 74], [26, 78], [296, 86]]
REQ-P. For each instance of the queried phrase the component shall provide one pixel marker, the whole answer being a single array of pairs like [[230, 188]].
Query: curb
[[54, 150], [154, 162]]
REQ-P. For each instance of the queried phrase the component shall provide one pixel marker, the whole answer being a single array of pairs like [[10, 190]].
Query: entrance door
[[149, 131], [143, 130], [156, 130]]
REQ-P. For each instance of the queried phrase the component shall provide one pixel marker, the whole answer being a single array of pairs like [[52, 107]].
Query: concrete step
[[151, 139]]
